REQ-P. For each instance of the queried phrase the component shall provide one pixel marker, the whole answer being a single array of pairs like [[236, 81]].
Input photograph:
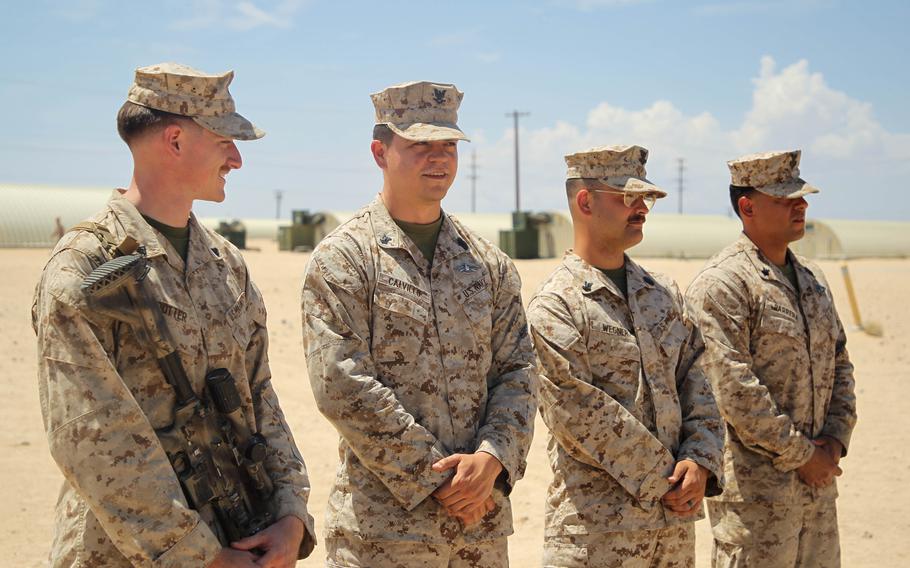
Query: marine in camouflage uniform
[[103, 394], [622, 390], [420, 359], [777, 359]]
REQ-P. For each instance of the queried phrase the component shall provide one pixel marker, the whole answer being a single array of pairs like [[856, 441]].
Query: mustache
[[637, 218]]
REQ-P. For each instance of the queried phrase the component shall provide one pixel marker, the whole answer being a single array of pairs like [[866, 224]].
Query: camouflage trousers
[[774, 534], [672, 547], [351, 552]]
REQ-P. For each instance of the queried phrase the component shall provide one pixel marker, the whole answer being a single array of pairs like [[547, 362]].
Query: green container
[[234, 232], [297, 237], [519, 243]]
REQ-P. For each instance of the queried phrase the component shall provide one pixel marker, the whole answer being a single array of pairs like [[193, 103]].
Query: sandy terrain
[[873, 500]]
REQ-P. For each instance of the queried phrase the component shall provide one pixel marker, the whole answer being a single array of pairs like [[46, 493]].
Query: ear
[[745, 206], [173, 137], [379, 153], [583, 199]]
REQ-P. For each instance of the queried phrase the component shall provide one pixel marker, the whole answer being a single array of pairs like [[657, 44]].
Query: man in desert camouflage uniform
[[418, 353], [103, 395], [635, 436], [776, 357]]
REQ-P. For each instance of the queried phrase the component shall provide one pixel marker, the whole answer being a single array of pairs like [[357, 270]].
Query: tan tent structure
[[31, 216]]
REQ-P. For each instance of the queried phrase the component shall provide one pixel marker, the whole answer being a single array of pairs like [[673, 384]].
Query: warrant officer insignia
[[439, 95]]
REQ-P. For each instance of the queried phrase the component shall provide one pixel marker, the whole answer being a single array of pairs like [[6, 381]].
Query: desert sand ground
[[874, 502]]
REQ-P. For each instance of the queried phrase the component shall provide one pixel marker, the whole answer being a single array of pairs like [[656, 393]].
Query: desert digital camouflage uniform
[[103, 395], [412, 363], [622, 391], [777, 360]]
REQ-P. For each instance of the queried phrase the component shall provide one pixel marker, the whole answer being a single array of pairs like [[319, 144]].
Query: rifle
[[217, 458]]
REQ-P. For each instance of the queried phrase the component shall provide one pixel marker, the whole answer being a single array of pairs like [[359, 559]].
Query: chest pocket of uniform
[[479, 309], [241, 321], [775, 323], [670, 338], [615, 361], [402, 306]]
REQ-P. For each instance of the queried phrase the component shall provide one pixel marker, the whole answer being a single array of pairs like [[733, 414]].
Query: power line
[[515, 114], [278, 195]]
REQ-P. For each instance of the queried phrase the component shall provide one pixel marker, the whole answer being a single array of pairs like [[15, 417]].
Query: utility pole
[[278, 195], [515, 114], [473, 178], [680, 180]]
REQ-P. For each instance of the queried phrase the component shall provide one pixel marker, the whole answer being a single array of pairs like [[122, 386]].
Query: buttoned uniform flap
[[478, 306], [611, 341], [781, 320], [401, 305], [670, 334], [242, 320]]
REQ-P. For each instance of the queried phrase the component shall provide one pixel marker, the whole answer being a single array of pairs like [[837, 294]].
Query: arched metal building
[[29, 217]]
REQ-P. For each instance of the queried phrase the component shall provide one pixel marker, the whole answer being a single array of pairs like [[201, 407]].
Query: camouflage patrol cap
[[621, 167], [772, 173], [179, 89], [420, 110]]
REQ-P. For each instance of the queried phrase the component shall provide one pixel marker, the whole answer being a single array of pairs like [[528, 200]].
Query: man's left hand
[[689, 480], [278, 544], [831, 445], [472, 483]]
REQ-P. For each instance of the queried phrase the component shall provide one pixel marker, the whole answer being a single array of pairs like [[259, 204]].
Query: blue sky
[[706, 81]]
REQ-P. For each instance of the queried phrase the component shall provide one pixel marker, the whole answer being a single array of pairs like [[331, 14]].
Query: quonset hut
[[32, 216]]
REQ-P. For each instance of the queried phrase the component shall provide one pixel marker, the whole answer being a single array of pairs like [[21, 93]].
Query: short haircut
[[383, 133], [135, 120], [574, 184], [737, 191]]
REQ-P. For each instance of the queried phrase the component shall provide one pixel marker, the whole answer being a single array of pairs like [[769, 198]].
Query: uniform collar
[[201, 250], [389, 235], [590, 279], [766, 269]]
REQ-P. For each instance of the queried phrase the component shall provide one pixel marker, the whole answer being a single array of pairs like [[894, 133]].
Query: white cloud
[[488, 56], [588, 5], [241, 16], [78, 11], [460, 37], [844, 146]]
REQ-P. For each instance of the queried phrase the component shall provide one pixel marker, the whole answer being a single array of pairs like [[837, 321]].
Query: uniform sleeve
[[841, 417], [702, 432], [383, 435], [590, 425], [723, 312], [509, 422], [284, 463], [100, 438]]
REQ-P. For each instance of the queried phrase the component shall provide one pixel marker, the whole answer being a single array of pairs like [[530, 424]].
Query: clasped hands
[[687, 489], [274, 547], [468, 495], [823, 466]]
